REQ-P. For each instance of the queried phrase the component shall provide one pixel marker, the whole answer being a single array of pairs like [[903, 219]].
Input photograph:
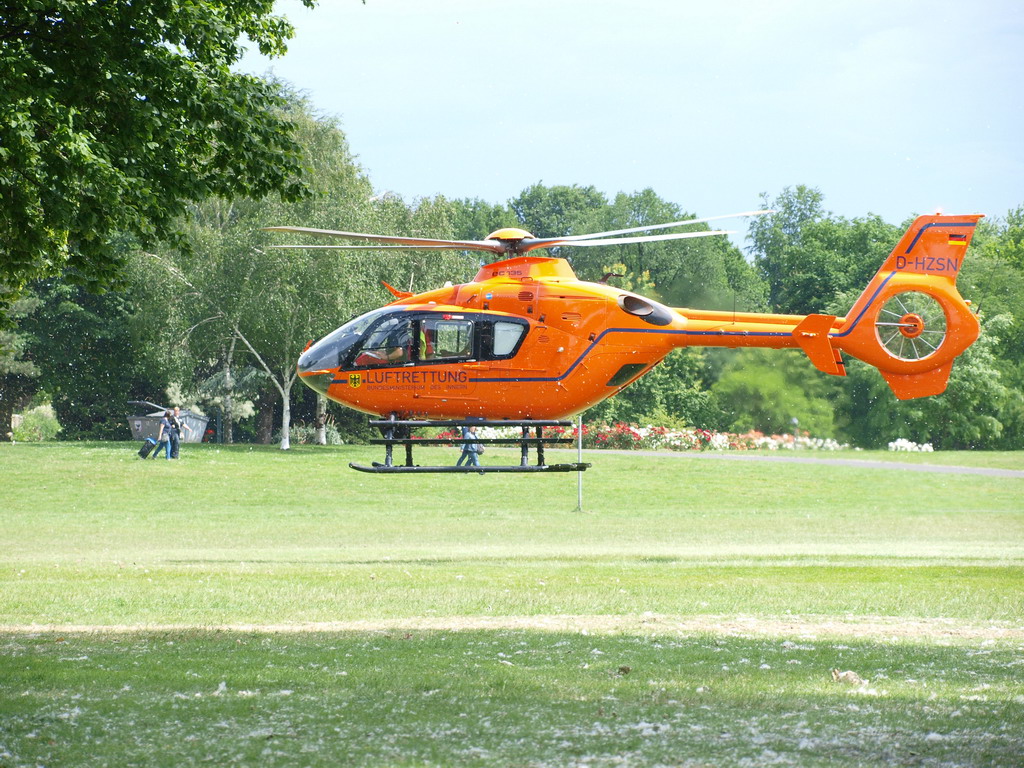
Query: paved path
[[795, 457]]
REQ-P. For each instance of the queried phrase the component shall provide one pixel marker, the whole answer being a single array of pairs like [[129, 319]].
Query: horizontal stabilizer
[[812, 336]]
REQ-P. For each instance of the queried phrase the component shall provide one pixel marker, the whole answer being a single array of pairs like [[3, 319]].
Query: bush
[[37, 425], [305, 434]]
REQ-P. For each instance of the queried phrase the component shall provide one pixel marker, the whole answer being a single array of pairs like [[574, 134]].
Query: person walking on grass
[[176, 426], [471, 449], [163, 436]]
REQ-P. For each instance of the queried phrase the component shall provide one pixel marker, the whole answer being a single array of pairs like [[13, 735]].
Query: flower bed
[[650, 438], [902, 444]]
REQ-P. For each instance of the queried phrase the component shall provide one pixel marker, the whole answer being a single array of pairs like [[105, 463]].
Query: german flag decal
[[958, 239]]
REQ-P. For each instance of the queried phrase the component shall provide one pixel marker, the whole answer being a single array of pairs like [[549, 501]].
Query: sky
[[888, 107]]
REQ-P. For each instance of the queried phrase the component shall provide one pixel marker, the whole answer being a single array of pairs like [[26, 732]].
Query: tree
[[1010, 242], [17, 373], [475, 219], [95, 352], [674, 392], [248, 303], [967, 415], [559, 211], [773, 235], [117, 115], [239, 295], [993, 279], [765, 389]]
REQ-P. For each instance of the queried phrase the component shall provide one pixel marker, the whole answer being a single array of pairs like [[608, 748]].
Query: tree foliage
[[969, 414], [766, 389], [775, 236], [119, 114], [16, 371], [673, 393], [95, 352]]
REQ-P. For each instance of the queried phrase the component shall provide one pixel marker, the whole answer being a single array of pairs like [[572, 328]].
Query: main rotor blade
[[368, 247], [530, 245], [408, 242], [667, 226]]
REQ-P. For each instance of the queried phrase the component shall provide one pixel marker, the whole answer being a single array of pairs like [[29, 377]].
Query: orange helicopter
[[528, 344]]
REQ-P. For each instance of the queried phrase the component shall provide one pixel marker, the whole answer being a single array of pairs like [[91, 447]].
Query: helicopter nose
[[314, 372], [318, 382]]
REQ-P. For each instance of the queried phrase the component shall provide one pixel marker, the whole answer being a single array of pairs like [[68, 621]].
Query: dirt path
[[793, 628]]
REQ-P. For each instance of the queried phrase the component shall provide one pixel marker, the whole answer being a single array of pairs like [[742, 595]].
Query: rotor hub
[[509, 233], [911, 325]]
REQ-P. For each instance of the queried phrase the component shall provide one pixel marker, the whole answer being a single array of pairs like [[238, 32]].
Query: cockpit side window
[[390, 343], [446, 339]]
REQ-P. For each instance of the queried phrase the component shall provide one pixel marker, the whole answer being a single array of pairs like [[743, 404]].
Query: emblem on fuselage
[[355, 379]]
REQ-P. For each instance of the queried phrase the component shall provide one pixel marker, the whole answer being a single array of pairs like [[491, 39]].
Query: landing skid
[[400, 432]]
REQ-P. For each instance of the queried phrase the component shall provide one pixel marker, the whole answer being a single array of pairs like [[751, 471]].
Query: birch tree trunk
[[285, 389], [229, 387], [321, 420]]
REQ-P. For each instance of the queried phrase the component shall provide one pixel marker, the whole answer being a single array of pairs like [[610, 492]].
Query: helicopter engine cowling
[[649, 311]]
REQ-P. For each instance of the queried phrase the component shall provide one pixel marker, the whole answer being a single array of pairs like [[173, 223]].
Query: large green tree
[[474, 219], [250, 305], [560, 210], [116, 115], [993, 279]]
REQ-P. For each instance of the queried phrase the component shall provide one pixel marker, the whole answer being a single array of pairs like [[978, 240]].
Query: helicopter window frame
[[487, 335], [364, 355], [483, 337], [434, 338]]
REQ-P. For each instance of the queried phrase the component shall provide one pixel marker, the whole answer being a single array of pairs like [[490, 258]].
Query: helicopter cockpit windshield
[[330, 352]]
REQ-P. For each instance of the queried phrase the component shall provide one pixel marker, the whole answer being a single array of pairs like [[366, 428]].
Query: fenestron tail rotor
[[911, 325]]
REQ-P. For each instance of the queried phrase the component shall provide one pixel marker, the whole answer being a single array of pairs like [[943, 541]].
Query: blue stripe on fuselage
[[594, 343]]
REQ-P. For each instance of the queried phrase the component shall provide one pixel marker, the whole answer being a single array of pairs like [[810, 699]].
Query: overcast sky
[[893, 107]]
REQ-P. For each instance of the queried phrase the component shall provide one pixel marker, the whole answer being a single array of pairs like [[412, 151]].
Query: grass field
[[244, 606]]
